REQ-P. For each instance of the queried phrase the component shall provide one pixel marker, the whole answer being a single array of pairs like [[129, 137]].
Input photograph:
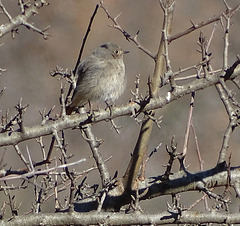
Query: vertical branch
[[130, 176], [204, 198], [205, 56], [202, 42], [46, 159], [197, 147], [220, 88], [17, 149], [62, 146], [38, 197], [94, 145], [168, 76], [204, 45], [62, 102], [186, 137], [172, 156], [57, 204], [231, 125], [226, 43]]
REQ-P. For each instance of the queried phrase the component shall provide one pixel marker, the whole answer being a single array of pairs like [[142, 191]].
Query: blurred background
[[29, 58]]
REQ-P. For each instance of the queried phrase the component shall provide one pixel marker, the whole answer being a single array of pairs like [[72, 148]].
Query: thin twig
[[74, 72], [85, 38], [200, 25], [186, 136], [5, 12], [41, 172], [134, 39], [22, 157]]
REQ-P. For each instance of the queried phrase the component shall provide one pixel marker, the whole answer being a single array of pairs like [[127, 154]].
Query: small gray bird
[[101, 76]]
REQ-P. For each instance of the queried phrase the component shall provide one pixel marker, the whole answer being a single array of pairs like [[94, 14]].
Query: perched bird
[[101, 76]]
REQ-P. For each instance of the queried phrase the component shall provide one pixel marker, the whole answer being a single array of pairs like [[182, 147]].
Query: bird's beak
[[125, 52]]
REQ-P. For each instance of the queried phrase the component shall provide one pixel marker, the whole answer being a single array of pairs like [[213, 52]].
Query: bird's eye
[[117, 52]]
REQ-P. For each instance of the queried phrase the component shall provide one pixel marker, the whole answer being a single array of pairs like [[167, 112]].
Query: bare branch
[[200, 25], [102, 115], [17, 149], [23, 18], [181, 181], [85, 38], [224, 93], [93, 218], [131, 173], [94, 145], [186, 136], [125, 33], [233, 123]]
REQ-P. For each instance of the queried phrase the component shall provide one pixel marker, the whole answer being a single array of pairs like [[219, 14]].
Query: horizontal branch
[[179, 182], [13, 138], [96, 218]]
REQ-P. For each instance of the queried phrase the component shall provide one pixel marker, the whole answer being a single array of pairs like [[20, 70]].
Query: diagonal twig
[[134, 39]]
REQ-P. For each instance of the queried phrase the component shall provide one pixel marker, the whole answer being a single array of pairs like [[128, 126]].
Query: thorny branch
[[27, 11], [94, 145], [173, 155], [230, 103], [93, 218], [101, 115], [194, 27], [141, 147], [178, 182], [128, 37], [39, 172], [85, 38], [7, 126]]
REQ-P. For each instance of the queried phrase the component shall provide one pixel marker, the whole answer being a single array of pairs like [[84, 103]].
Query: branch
[[233, 123], [40, 172], [187, 132], [15, 137], [224, 92], [74, 75], [134, 39], [182, 181], [85, 38], [131, 173], [93, 218], [22, 19], [202, 24], [94, 145]]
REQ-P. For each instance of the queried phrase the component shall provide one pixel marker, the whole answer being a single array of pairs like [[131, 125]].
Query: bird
[[101, 76]]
